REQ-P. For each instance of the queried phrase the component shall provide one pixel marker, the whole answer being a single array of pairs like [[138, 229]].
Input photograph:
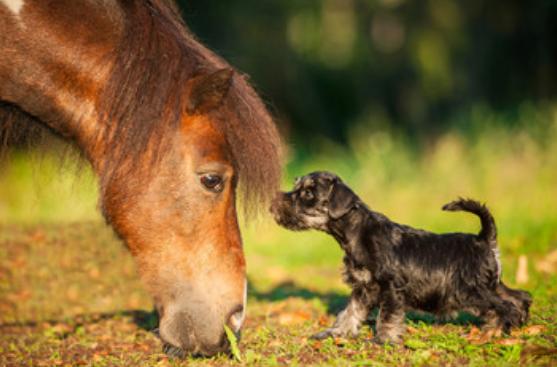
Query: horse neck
[[57, 57]]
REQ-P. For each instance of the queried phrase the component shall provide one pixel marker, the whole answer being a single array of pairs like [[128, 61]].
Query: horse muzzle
[[197, 328]]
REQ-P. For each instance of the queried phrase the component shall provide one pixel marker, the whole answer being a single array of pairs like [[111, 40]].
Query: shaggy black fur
[[399, 268]]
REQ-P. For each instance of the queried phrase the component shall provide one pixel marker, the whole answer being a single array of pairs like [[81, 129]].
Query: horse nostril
[[236, 318]]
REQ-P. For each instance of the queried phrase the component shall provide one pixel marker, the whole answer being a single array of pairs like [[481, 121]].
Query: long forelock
[[156, 57], [254, 144]]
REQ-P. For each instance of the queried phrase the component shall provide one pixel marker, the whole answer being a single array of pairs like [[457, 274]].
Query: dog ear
[[341, 200]]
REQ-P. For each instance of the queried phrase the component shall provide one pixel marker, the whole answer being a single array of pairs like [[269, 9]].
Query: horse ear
[[341, 200], [207, 91]]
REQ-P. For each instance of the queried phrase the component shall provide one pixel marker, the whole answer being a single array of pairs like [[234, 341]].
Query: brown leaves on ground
[[293, 318], [537, 351], [290, 312], [79, 276], [508, 341], [316, 344], [323, 320], [98, 339], [479, 337], [529, 330]]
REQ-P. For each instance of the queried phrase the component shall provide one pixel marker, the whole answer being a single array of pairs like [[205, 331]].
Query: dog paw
[[379, 340], [323, 335], [334, 333], [387, 338]]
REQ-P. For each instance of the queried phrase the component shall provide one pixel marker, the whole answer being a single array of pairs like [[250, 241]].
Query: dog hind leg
[[519, 298], [500, 314]]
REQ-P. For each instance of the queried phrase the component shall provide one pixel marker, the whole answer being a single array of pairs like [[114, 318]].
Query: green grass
[[69, 293]]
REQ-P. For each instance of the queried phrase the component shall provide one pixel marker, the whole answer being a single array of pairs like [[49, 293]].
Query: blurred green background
[[413, 103], [418, 66]]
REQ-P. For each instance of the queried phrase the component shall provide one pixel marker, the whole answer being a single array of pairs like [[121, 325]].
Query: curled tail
[[489, 230]]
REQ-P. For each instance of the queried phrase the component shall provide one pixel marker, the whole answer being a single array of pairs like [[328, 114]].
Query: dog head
[[315, 200]]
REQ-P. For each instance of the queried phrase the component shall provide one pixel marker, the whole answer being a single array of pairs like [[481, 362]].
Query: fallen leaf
[[143, 347], [291, 318], [163, 362], [339, 342], [282, 361], [474, 331], [483, 337], [508, 341], [537, 351], [323, 320], [529, 330], [316, 344]]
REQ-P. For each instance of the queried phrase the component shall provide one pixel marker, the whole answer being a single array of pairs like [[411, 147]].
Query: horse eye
[[212, 182]]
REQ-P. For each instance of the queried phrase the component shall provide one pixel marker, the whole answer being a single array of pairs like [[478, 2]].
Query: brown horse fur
[[153, 111]]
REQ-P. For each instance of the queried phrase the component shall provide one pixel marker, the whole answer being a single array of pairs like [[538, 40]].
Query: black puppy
[[399, 268]]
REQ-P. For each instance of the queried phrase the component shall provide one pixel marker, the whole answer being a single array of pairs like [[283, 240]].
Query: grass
[[69, 293]]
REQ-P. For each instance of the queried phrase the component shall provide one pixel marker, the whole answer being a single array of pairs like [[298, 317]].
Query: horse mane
[[144, 100], [156, 57]]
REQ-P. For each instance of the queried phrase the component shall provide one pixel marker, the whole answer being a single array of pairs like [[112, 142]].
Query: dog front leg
[[350, 320], [390, 320]]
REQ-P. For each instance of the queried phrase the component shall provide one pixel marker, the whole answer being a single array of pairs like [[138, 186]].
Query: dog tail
[[489, 230]]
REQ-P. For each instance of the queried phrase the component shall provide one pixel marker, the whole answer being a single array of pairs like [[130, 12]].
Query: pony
[[175, 135]]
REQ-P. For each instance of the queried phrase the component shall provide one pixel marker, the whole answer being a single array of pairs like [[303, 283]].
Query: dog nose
[[236, 319]]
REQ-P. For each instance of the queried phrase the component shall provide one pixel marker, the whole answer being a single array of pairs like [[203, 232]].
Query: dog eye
[[306, 194], [212, 182]]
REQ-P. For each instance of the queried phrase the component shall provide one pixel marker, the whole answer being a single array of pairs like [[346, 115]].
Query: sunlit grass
[[36, 187], [295, 284]]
